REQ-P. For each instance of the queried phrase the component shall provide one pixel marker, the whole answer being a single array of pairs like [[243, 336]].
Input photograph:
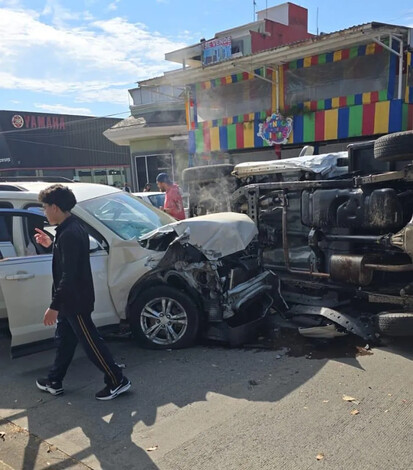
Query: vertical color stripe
[[368, 119], [207, 140], [240, 135], [355, 121], [309, 127], [331, 124], [381, 117], [345, 54], [248, 134], [366, 98], [358, 99], [232, 137], [395, 117], [374, 96], [343, 123], [335, 102], [223, 138], [314, 60], [307, 61], [404, 116], [191, 142], [319, 125], [258, 142], [199, 140], [298, 125], [410, 117], [337, 56], [383, 95], [214, 136]]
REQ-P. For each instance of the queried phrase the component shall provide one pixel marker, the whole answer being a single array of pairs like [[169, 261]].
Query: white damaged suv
[[171, 281]]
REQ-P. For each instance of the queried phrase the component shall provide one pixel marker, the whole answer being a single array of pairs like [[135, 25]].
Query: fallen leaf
[[348, 398], [320, 456], [3, 436], [354, 412], [150, 449]]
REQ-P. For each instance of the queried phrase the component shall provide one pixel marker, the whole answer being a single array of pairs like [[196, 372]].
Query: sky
[[82, 56]]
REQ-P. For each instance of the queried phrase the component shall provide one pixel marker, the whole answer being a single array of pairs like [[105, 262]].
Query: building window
[[342, 78], [248, 96]]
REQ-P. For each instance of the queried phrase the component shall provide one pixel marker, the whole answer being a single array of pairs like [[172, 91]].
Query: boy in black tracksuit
[[73, 297]]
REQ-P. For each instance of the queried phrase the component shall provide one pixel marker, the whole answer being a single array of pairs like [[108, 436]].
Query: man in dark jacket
[[73, 297]]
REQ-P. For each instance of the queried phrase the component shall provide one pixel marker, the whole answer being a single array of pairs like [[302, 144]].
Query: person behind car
[[147, 188], [173, 204], [126, 188], [73, 297]]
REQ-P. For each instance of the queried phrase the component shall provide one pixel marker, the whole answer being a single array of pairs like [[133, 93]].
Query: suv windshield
[[127, 216]]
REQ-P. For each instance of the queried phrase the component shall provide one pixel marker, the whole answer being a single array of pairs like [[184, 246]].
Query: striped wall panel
[[359, 120]]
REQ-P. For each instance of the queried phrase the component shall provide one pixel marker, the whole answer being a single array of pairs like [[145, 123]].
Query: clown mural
[[276, 129]]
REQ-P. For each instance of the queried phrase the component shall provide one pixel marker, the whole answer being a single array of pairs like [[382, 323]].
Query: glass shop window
[[343, 78], [234, 99]]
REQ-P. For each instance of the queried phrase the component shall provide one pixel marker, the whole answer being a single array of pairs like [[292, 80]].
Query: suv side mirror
[[93, 245]]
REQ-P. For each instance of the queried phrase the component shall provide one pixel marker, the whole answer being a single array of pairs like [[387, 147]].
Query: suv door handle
[[19, 277]]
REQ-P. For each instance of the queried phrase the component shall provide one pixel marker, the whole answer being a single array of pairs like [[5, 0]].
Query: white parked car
[[171, 280], [157, 199]]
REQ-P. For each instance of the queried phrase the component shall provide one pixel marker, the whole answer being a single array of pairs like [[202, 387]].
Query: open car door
[[26, 283]]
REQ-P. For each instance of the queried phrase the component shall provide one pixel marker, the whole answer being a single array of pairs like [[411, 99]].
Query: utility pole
[[254, 4]]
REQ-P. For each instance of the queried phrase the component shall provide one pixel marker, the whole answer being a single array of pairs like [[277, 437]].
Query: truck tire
[[394, 147], [395, 324], [199, 174]]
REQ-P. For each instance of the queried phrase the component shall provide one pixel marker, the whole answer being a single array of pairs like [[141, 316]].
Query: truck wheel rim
[[163, 321]]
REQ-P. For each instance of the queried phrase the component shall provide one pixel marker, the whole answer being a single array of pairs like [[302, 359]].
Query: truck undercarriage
[[338, 231]]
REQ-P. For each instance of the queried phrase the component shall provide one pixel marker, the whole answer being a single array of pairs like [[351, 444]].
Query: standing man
[[173, 204], [126, 187], [73, 297]]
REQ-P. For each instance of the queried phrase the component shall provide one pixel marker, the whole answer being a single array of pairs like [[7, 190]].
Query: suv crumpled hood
[[215, 235]]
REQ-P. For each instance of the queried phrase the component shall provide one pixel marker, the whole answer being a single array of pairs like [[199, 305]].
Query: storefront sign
[[216, 50], [33, 121], [276, 129]]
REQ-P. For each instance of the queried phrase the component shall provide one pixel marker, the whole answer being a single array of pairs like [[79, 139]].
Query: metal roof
[[359, 34]]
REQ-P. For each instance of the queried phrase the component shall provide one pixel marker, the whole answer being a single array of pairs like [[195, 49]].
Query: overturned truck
[[336, 228]]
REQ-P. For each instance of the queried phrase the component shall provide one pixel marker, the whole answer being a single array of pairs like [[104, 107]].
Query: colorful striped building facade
[[342, 117]]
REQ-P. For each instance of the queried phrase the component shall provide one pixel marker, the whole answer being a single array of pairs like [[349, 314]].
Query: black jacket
[[73, 291]]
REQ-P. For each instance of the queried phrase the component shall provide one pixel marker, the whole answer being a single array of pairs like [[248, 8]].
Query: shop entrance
[[149, 166]]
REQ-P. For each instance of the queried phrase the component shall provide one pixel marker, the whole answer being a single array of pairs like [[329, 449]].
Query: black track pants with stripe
[[72, 329]]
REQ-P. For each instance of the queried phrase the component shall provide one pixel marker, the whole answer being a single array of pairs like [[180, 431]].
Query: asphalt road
[[214, 408]]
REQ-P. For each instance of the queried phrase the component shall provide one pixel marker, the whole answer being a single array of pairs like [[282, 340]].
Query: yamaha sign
[[35, 121]]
